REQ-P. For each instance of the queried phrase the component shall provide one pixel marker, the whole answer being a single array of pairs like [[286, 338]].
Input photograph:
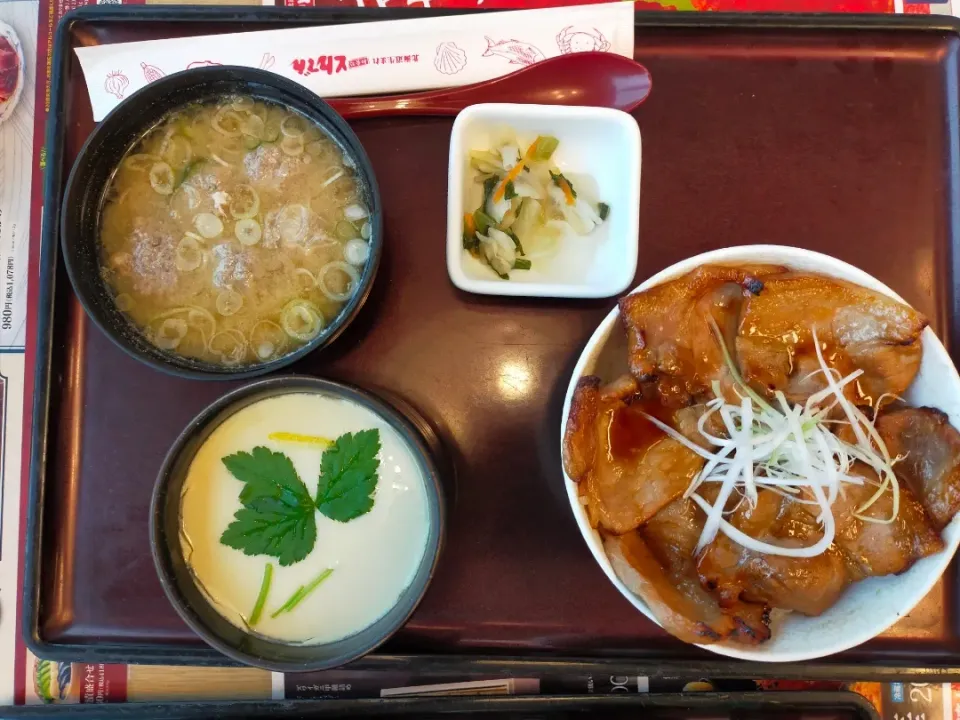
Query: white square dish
[[596, 143]]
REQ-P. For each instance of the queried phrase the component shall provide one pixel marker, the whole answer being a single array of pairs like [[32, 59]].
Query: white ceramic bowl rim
[[850, 622]]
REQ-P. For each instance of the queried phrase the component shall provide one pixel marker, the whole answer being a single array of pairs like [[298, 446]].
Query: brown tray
[[768, 705], [835, 134]]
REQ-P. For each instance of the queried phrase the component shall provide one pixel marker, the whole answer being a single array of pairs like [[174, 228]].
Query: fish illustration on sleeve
[[516, 51]]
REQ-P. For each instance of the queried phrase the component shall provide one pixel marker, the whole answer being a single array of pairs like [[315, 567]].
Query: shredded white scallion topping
[[787, 449]]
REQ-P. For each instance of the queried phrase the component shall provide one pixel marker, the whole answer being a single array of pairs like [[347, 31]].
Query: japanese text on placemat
[[331, 64]]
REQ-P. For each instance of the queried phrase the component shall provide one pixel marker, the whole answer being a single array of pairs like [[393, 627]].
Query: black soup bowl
[[193, 604], [121, 130]]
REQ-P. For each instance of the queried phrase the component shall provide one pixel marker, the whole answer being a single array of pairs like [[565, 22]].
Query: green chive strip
[[302, 592], [262, 597]]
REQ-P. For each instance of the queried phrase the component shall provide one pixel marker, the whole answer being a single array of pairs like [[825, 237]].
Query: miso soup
[[233, 232]]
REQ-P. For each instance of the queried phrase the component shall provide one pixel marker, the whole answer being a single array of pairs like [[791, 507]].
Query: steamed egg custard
[[304, 517]]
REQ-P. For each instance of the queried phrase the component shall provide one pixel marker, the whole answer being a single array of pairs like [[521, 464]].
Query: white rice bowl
[[866, 608]]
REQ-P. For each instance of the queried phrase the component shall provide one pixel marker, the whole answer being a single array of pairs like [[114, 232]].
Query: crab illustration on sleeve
[[574, 40]]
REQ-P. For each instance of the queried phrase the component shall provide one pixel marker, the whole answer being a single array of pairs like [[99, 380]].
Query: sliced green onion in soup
[[248, 231], [315, 148], [301, 320], [232, 148], [267, 339], [229, 301], [293, 126], [170, 333], [355, 212], [189, 254], [292, 146], [365, 231], [230, 346], [176, 150], [161, 178], [208, 225], [254, 126], [324, 280], [227, 122], [271, 130], [356, 251], [305, 279], [241, 102], [196, 316], [140, 162], [338, 172], [346, 230], [194, 343], [244, 202]]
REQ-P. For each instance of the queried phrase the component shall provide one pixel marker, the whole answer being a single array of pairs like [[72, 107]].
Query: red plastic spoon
[[590, 78]]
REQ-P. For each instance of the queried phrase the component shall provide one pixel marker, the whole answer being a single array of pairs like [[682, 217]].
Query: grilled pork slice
[[857, 328], [628, 468], [929, 448], [670, 339], [881, 548], [806, 585], [677, 600]]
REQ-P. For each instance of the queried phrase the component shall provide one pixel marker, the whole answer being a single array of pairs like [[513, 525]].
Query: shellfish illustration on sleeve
[[151, 72], [116, 84], [450, 58], [573, 40], [517, 52]]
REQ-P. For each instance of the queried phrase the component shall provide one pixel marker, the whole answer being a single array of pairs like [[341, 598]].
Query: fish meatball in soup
[[233, 232]]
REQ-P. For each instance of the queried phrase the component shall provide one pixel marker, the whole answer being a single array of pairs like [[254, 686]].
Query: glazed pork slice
[[929, 448], [806, 585], [580, 436], [676, 599], [860, 329], [876, 548], [627, 467], [670, 339], [672, 536]]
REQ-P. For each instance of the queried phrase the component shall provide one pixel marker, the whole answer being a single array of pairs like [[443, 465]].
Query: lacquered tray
[[836, 134], [709, 706]]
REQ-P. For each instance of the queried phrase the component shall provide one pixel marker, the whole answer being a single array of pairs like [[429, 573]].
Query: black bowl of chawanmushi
[[222, 222]]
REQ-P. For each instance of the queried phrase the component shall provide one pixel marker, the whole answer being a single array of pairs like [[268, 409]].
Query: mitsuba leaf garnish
[[348, 476], [277, 517]]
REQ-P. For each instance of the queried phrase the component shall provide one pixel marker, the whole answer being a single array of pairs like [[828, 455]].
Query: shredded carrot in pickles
[[540, 150], [469, 224], [567, 190], [509, 177]]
